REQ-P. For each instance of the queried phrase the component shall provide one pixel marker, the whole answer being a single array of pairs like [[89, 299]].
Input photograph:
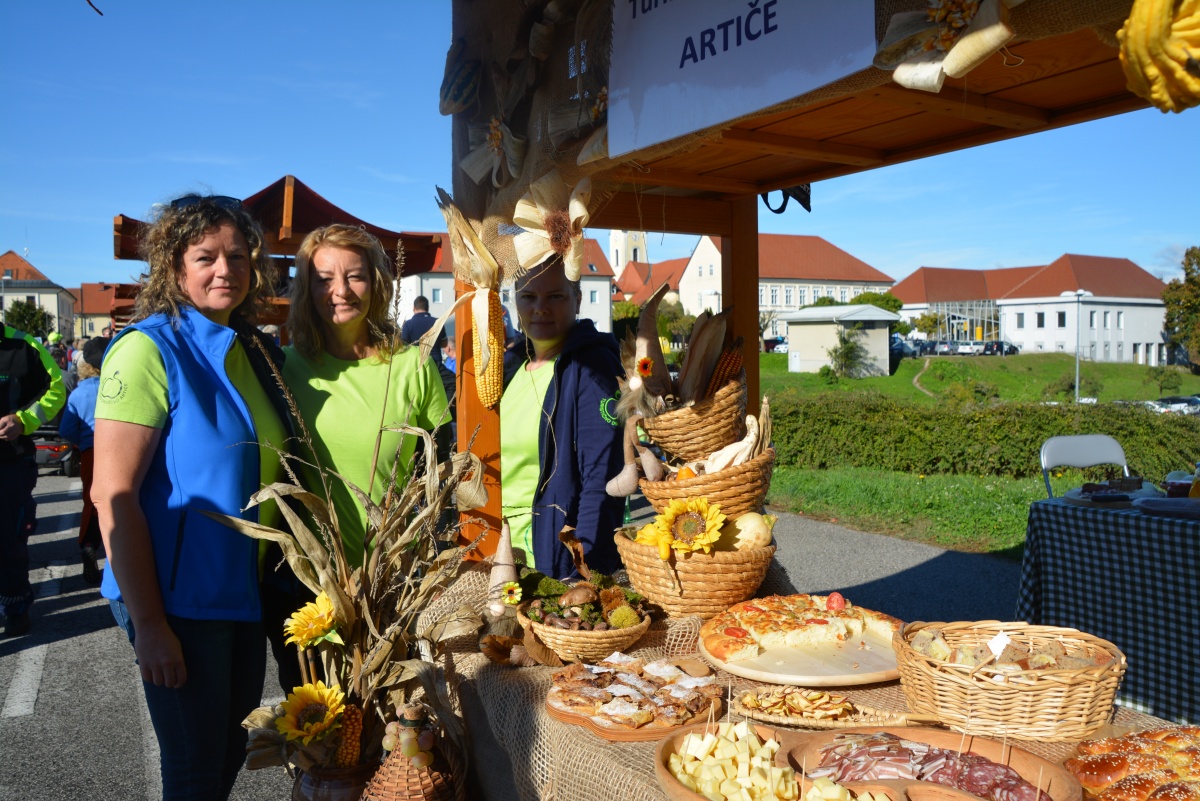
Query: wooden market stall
[[545, 104]]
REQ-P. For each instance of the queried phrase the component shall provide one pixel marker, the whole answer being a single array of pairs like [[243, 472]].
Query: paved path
[[73, 723]]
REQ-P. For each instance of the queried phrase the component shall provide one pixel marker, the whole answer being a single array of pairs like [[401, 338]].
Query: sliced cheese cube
[[740, 729]]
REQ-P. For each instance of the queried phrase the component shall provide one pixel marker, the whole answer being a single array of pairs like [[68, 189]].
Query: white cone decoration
[[504, 570]]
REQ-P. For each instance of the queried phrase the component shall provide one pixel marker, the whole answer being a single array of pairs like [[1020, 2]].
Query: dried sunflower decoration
[[313, 623], [553, 218], [312, 711], [495, 151], [684, 526]]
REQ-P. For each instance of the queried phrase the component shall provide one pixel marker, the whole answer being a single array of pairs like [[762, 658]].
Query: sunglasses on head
[[220, 201]]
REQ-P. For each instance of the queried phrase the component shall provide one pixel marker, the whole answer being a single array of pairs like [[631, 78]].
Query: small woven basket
[[697, 431], [737, 490], [1050, 705], [694, 583], [590, 646], [398, 780]]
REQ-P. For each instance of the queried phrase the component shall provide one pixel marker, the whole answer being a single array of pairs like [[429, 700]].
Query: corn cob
[[352, 725], [489, 384], [728, 366]]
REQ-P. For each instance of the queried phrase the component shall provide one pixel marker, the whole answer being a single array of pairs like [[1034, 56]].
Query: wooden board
[[800, 749], [620, 734], [828, 665]]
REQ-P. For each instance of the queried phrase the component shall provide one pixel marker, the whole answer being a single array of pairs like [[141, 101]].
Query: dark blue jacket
[[580, 446]]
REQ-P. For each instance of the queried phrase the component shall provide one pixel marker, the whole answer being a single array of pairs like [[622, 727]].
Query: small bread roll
[[1139, 786], [1098, 771], [1129, 744], [1176, 791], [1179, 737]]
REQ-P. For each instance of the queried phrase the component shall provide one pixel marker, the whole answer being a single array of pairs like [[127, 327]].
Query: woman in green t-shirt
[[346, 365]]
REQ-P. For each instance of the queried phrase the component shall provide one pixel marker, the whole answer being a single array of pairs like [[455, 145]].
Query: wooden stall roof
[[1035, 86], [288, 210]]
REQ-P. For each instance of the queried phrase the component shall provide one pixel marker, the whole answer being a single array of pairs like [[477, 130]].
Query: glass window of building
[[1041, 319], [437, 296], [1062, 319], [1020, 319]]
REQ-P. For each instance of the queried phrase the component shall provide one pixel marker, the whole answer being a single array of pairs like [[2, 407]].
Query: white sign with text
[[679, 66]]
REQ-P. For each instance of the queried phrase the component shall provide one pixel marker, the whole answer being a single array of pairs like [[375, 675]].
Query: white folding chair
[[1085, 450]]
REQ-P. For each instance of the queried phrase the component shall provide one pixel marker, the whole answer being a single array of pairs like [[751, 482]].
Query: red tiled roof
[[639, 280], [811, 258], [21, 269], [98, 298], [1101, 275]]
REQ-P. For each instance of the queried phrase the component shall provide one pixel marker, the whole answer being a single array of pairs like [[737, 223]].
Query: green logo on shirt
[[608, 410], [112, 389]]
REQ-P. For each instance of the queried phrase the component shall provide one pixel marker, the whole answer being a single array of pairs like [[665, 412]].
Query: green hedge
[[873, 430]]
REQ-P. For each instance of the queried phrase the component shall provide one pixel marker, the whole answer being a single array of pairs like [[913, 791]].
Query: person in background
[[31, 394], [78, 428], [450, 355], [186, 392], [343, 360], [69, 377], [554, 465], [421, 321]]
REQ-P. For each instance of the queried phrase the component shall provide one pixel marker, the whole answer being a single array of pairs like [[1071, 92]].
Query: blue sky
[[109, 115]]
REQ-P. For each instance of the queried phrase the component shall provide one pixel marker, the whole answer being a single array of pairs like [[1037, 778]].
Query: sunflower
[[511, 593], [645, 367], [311, 710], [313, 623], [690, 525]]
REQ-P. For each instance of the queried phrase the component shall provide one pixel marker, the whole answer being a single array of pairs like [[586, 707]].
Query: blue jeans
[[201, 742]]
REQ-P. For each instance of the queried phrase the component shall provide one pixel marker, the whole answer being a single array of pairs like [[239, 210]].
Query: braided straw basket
[[586, 645], [694, 583], [737, 490], [1046, 704], [398, 780], [695, 432]]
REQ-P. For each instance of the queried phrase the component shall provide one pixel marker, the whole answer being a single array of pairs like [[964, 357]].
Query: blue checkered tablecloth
[[1130, 578]]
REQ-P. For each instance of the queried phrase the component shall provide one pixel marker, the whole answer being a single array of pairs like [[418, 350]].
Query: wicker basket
[[590, 646], [737, 490], [1049, 705], [697, 431], [708, 584], [398, 780]]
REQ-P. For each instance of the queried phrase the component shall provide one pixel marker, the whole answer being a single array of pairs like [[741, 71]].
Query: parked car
[[782, 347], [998, 347], [970, 348], [1180, 404], [771, 345], [945, 348], [53, 451], [906, 348]]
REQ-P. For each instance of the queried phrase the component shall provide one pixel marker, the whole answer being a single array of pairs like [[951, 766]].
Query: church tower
[[624, 247]]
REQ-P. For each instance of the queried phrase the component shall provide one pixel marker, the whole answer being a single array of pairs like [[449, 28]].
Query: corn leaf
[[301, 565]]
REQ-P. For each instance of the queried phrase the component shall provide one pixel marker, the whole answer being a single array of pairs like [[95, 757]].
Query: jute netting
[[496, 33]]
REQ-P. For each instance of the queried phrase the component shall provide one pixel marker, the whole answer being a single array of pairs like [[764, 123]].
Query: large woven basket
[[697, 431], [737, 490], [1050, 705], [694, 583], [590, 646]]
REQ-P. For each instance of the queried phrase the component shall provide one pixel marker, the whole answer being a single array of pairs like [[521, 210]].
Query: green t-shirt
[[520, 461], [340, 402], [134, 363]]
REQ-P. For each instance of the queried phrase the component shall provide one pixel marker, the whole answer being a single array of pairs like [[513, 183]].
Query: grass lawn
[[962, 513], [965, 513], [1016, 378]]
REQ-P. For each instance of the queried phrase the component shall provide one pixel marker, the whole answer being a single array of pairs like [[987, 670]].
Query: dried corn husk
[[553, 218], [923, 72], [908, 34], [495, 151], [704, 349], [460, 81], [595, 148], [987, 33]]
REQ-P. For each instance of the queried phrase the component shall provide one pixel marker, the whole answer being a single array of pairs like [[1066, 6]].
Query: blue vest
[[207, 459]]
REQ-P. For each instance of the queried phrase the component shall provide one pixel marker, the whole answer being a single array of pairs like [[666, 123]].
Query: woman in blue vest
[[185, 394]]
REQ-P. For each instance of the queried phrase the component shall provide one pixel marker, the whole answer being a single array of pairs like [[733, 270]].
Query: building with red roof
[[21, 281], [1110, 306], [793, 272]]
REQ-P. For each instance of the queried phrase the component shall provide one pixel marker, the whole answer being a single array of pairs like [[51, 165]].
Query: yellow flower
[[311, 710], [313, 623], [511, 592], [690, 525]]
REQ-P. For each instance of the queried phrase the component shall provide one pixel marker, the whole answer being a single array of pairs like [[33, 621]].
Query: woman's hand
[[159, 656]]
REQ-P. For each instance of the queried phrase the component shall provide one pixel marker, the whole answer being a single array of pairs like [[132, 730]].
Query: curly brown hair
[[179, 226], [306, 329]]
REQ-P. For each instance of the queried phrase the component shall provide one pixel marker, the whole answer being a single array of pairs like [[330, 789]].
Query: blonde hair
[[177, 228], [306, 329], [85, 370]]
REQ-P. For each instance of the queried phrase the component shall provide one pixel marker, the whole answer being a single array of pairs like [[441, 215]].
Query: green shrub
[[867, 429]]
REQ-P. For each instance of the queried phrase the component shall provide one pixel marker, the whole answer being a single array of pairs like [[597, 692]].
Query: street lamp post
[[1079, 296]]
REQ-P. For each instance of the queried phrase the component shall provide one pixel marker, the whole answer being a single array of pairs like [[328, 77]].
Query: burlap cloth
[[555, 761]]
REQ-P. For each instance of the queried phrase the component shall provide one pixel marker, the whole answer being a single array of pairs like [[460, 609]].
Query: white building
[[625, 247], [1111, 305], [793, 272], [437, 285], [21, 281], [813, 332]]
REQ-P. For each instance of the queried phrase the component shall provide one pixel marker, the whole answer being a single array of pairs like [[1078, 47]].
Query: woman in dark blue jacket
[[554, 465]]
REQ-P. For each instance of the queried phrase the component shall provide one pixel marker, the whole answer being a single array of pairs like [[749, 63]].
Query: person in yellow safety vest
[[31, 394]]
